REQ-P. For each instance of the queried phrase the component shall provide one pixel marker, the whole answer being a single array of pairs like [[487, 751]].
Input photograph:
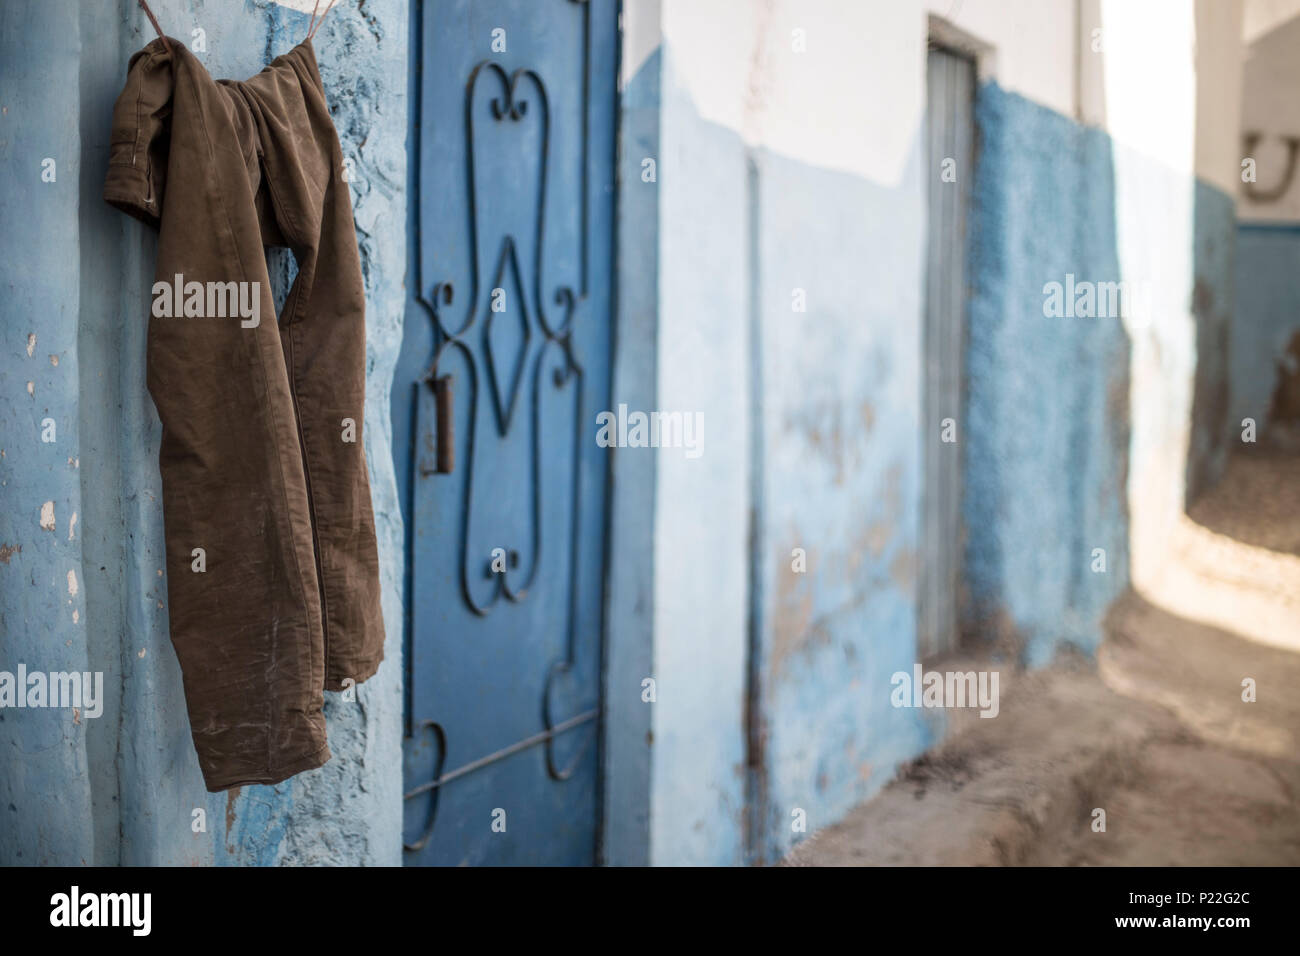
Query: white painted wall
[[1170, 77], [701, 518], [1032, 45], [734, 87], [853, 104], [1149, 85], [1271, 105], [1219, 57], [736, 59]]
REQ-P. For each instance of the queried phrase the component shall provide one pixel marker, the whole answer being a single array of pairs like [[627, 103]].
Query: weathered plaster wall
[[837, 408], [776, 173], [1214, 249], [45, 794], [701, 516], [1106, 402], [628, 744], [840, 480], [1046, 436], [1163, 71], [1268, 239], [1267, 317], [779, 176], [789, 264], [136, 765], [1217, 61]]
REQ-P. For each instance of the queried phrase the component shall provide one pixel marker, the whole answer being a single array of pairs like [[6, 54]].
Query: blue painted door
[[505, 364]]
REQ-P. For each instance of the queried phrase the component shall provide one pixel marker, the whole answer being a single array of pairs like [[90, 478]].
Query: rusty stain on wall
[[830, 437], [902, 570], [231, 797], [791, 618]]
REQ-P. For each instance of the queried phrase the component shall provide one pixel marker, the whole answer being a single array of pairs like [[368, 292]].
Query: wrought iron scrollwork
[[509, 105], [519, 95], [440, 738]]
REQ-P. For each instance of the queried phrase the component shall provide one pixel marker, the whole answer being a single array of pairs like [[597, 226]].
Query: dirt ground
[[1155, 733]]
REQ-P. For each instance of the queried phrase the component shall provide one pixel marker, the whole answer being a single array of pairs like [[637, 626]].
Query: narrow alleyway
[[1156, 735]]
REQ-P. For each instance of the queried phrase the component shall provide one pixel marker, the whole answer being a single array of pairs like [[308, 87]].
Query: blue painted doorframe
[[505, 363]]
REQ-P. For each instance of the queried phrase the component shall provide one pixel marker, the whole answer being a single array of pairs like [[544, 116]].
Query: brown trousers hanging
[[272, 569]]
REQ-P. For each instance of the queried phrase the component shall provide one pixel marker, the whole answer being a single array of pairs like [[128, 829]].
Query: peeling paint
[[231, 796], [72, 583], [792, 618], [903, 569], [867, 412], [141, 772], [47, 776]]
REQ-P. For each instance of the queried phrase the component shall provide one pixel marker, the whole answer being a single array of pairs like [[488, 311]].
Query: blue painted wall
[[1268, 315], [698, 781], [45, 794], [124, 788], [1046, 436], [812, 441], [1214, 220], [838, 472], [629, 649]]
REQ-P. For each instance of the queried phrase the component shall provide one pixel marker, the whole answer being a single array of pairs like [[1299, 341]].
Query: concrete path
[[1156, 734]]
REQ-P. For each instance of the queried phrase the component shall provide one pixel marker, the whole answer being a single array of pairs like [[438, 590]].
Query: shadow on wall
[[1214, 218], [1265, 334], [1047, 455], [840, 475], [822, 386], [1213, 223]]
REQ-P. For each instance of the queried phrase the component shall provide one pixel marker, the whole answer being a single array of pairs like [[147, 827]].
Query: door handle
[[444, 426], [444, 400]]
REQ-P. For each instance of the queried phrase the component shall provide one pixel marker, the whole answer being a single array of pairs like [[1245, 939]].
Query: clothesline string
[[312, 25], [154, 20]]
